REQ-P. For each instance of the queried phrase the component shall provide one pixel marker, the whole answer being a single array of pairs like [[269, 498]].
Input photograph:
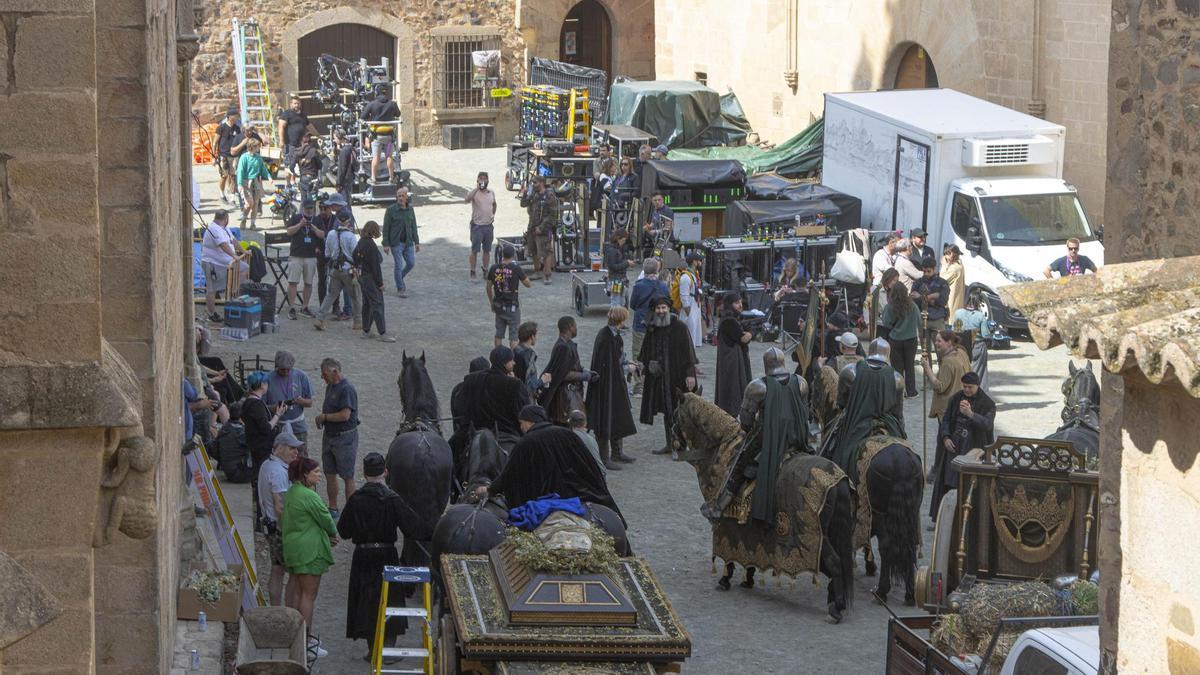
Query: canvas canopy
[[681, 114], [800, 155]]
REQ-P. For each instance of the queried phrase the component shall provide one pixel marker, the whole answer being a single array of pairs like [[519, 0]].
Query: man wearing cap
[[230, 142], [339, 251], [288, 384], [967, 424], [876, 400], [669, 361], [544, 215], [775, 418], [692, 311], [830, 390], [921, 251], [308, 160], [567, 376], [659, 152], [272, 484], [503, 283], [371, 519], [549, 459], [304, 238], [400, 238], [493, 398]]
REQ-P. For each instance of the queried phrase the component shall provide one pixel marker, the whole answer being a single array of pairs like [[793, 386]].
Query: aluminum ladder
[[254, 94], [407, 575]]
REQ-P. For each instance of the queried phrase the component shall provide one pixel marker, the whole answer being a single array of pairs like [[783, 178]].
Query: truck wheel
[[579, 308], [508, 182], [940, 553]]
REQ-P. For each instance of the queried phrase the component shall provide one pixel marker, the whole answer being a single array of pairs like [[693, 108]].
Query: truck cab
[[1055, 651], [1009, 230]]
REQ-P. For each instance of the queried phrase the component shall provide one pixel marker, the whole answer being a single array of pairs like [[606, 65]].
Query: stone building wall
[[527, 28], [981, 47], [92, 342]]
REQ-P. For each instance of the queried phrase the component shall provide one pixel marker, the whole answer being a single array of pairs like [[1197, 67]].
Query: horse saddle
[[739, 508]]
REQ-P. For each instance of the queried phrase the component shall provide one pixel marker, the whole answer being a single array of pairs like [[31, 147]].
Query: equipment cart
[[589, 290]]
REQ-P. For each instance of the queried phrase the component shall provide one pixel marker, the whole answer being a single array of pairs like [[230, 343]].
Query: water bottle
[[202, 619], [195, 659]]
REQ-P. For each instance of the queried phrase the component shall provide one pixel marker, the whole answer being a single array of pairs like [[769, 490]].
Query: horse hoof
[[722, 584], [870, 568], [835, 615], [747, 584]]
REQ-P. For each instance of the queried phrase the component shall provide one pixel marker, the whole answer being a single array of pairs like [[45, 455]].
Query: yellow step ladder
[[405, 575], [579, 118]]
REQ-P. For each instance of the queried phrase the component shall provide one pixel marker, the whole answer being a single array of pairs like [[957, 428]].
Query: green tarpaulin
[[799, 155], [680, 114]]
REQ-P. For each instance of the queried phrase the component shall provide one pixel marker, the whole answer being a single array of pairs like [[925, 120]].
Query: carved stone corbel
[[128, 498]]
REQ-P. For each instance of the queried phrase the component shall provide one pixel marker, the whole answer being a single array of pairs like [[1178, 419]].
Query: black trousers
[[904, 353], [372, 305]]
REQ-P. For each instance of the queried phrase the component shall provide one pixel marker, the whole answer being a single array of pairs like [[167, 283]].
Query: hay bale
[[949, 637], [1085, 597], [986, 604]]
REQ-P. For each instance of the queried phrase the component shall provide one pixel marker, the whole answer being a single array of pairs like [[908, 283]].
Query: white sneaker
[[314, 647]]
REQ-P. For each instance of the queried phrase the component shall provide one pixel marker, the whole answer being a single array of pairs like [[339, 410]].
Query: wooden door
[[916, 70], [586, 37], [350, 41]]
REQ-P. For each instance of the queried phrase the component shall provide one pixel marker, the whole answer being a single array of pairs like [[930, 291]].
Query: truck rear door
[[910, 194]]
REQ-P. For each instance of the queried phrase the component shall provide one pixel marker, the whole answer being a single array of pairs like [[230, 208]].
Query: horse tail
[[841, 536], [901, 520]]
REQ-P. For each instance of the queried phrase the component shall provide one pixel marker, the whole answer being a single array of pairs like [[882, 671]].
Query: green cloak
[[873, 403], [784, 428]]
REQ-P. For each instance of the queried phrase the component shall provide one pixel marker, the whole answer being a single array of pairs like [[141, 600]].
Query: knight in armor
[[493, 398], [848, 355], [875, 402], [775, 418], [567, 376]]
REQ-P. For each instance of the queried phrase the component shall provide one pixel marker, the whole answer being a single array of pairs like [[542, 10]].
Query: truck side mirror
[[974, 239], [1100, 233]]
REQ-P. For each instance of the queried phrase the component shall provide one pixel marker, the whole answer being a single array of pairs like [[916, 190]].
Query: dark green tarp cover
[[681, 114], [798, 156]]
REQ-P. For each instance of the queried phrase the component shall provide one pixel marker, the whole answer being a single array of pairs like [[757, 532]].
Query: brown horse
[[813, 528]]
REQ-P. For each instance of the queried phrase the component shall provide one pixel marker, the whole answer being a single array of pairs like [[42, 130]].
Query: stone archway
[[586, 36], [632, 33], [915, 70], [402, 60], [956, 54]]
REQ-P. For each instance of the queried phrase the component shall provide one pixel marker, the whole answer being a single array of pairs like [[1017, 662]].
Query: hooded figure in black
[[733, 356], [371, 518], [550, 459], [565, 391], [967, 424], [609, 413], [669, 361], [492, 399]]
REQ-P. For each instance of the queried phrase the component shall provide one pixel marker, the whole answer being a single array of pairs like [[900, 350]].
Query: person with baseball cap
[[503, 283], [272, 484]]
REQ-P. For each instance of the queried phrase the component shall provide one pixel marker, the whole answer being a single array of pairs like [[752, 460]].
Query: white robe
[[691, 315]]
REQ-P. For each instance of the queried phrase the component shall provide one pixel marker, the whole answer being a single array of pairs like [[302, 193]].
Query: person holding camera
[[262, 423], [305, 236], [483, 219], [543, 219], [289, 385]]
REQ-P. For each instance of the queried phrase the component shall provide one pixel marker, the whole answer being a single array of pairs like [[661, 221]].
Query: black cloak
[[458, 410], [978, 434], [492, 399], [671, 347], [609, 413], [733, 366], [873, 402], [564, 368], [373, 514], [548, 459]]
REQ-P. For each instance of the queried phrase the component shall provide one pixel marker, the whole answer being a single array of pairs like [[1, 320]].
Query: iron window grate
[[453, 85]]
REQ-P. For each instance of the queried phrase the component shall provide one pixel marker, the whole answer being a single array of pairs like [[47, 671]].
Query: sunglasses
[[1072, 248]]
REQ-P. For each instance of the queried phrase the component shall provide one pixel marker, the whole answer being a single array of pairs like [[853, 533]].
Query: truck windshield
[[1035, 220]]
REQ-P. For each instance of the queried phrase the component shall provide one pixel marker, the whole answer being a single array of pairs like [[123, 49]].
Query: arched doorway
[[586, 37], [916, 70], [350, 41]]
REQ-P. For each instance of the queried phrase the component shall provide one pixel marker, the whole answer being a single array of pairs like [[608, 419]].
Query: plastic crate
[[243, 314]]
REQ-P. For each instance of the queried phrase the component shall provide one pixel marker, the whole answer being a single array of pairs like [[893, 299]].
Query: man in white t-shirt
[[884, 259], [272, 483], [218, 250]]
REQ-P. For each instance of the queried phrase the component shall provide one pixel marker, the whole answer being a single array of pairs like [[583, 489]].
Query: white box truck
[[968, 172]]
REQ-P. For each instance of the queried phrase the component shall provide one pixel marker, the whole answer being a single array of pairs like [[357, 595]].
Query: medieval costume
[[458, 409], [371, 518], [668, 358], [775, 419], [492, 399], [876, 401], [733, 360], [565, 391], [949, 380], [609, 413], [550, 459], [965, 432]]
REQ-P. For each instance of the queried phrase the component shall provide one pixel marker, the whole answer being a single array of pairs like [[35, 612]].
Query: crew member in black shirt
[[306, 237], [503, 284], [345, 166], [293, 125], [383, 136], [230, 140], [308, 162]]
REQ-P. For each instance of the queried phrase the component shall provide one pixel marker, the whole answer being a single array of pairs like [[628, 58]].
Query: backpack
[[676, 298]]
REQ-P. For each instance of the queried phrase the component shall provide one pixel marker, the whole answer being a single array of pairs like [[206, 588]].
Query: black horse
[[1081, 413], [419, 462], [895, 484], [485, 457]]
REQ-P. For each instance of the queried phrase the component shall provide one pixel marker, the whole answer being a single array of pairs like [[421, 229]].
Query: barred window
[[454, 86]]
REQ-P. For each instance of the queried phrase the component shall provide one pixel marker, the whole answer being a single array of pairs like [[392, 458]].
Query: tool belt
[[376, 544]]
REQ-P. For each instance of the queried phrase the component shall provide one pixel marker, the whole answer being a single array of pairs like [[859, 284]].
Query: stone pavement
[[770, 629]]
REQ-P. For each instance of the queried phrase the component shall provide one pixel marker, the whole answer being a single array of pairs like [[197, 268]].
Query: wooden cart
[[1025, 509]]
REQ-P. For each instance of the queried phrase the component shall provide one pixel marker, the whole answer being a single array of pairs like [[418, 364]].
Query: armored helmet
[[774, 362], [879, 350]]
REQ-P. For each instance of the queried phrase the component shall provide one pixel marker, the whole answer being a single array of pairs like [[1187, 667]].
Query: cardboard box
[[226, 608], [811, 231]]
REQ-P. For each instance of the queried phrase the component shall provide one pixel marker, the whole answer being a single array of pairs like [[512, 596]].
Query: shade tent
[[800, 155], [676, 175], [682, 114], [742, 215], [769, 186]]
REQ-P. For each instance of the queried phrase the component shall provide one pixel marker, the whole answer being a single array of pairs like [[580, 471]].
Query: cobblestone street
[[774, 628]]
